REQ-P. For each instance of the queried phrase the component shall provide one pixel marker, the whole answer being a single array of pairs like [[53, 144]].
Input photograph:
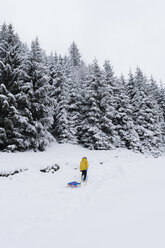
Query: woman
[[84, 168]]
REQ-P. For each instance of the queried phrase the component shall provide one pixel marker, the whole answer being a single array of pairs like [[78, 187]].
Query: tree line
[[45, 98]]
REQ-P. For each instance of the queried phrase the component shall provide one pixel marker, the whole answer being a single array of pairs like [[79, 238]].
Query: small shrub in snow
[[7, 174], [51, 169]]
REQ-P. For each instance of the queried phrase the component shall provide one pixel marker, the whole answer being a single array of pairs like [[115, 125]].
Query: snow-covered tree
[[91, 135], [44, 96], [74, 54], [36, 91], [124, 119], [145, 112], [61, 96], [74, 103], [108, 104], [11, 117]]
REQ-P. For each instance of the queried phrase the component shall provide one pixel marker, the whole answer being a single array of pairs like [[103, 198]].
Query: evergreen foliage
[[91, 126], [43, 98], [145, 112], [74, 55]]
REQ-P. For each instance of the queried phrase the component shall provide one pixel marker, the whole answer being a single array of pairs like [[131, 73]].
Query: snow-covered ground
[[121, 206]]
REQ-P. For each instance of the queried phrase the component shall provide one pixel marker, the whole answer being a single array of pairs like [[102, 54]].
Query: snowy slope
[[122, 205]]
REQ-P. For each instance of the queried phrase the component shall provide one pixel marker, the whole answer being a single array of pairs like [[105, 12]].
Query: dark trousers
[[84, 175]]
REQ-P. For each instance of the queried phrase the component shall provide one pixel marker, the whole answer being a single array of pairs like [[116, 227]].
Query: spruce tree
[[74, 55], [91, 127], [145, 112], [61, 96], [11, 117], [108, 104], [124, 119], [38, 103], [74, 66]]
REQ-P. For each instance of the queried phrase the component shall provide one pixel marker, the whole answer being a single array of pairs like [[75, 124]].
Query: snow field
[[122, 204]]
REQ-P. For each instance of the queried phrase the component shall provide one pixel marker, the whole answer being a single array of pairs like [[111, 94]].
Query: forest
[[44, 98]]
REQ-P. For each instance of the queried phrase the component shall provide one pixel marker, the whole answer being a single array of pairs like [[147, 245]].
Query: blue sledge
[[74, 184]]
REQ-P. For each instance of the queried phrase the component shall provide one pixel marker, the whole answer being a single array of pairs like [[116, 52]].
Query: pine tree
[[156, 93], [83, 79], [74, 55], [73, 104], [108, 104], [161, 103], [75, 81], [36, 99], [145, 112], [11, 118], [91, 128], [125, 126], [61, 95]]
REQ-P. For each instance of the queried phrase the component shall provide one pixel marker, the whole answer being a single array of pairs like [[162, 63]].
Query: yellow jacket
[[83, 164]]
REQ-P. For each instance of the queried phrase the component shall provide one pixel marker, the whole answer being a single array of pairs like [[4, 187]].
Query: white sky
[[128, 32]]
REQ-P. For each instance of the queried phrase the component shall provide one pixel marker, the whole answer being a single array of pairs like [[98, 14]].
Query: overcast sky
[[128, 32]]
